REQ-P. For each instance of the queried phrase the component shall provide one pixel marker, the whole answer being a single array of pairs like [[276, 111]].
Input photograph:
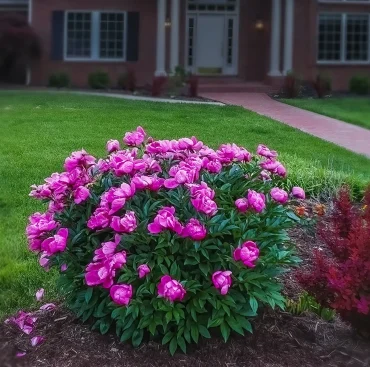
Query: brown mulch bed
[[279, 339]]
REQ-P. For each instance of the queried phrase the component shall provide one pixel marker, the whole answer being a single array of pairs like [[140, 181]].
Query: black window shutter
[[57, 35], [133, 25]]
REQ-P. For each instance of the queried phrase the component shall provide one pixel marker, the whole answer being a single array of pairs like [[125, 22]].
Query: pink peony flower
[[79, 159], [279, 195], [37, 340], [195, 230], [256, 201], [152, 183], [298, 193], [99, 220], [25, 321], [81, 194], [40, 192], [112, 146], [57, 243], [135, 138], [40, 294], [222, 281], [126, 224], [205, 205], [247, 254], [103, 272], [165, 219], [39, 225], [274, 166], [171, 289], [263, 151], [121, 294], [143, 270], [228, 153], [107, 250], [102, 165], [242, 205]]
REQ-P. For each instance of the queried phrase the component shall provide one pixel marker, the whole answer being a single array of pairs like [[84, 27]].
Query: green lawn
[[38, 130], [353, 110]]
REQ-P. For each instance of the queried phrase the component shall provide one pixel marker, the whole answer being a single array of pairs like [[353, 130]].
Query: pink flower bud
[[256, 201], [279, 195], [247, 254], [195, 230], [242, 205], [171, 289], [298, 193], [222, 281], [121, 294], [112, 145], [143, 270]]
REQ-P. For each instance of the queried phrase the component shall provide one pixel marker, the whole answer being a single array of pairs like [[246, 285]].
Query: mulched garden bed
[[279, 339]]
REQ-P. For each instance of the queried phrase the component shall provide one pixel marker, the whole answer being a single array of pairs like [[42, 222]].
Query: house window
[[79, 35], [111, 35], [343, 38], [95, 36]]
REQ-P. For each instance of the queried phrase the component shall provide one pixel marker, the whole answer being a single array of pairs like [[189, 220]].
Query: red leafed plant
[[340, 277]]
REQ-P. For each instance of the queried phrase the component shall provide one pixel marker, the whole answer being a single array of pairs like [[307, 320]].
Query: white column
[[161, 38], [28, 70], [175, 34], [275, 38], [288, 37]]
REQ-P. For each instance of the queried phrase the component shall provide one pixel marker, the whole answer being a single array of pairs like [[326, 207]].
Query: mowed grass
[[38, 130], [353, 110]]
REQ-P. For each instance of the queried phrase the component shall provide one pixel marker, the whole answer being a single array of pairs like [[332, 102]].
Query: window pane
[[330, 35], [111, 35], [79, 35], [357, 37]]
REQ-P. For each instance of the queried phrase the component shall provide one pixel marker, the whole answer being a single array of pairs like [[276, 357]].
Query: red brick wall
[[78, 71], [305, 46]]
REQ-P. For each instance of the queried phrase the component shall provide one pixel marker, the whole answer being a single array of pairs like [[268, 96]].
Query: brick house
[[255, 41]]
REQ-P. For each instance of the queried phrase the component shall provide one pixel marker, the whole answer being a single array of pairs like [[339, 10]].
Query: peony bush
[[167, 240]]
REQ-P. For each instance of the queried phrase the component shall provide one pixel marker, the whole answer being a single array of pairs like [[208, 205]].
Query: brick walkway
[[349, 136]]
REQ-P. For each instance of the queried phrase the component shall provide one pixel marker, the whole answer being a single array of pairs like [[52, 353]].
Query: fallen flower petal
[[20, 354], [40, 294], [48, 307], [37, 340]]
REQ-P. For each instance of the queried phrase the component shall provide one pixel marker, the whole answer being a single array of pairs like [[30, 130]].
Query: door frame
[[227, 69]]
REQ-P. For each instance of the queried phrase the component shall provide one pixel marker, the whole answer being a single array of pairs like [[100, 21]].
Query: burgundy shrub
[[193, 84], [158, 85], [340, 276], [18, 40]]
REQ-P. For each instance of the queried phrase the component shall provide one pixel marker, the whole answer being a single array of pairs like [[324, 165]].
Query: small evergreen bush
[[99, 80], [359, 84], [59, 80]]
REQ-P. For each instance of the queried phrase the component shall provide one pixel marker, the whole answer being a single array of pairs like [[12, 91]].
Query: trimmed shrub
[[193, 85], [59, 80], [99, 80], [359, 84], [167, 240], [340, 279], [158, 85], [322, 85], [127, 80]]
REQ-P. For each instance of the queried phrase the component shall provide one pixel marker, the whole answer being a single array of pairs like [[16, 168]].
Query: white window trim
[[343, 60], [362, 2], [95, 37]]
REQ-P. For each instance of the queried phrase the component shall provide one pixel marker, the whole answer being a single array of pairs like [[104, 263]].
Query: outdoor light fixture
[[167, 23], [259, 25]]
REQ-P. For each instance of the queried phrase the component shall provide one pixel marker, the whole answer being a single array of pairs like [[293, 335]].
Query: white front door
[[210, 46]]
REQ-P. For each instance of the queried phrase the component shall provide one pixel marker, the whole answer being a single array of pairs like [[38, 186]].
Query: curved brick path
[[349, 136]]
